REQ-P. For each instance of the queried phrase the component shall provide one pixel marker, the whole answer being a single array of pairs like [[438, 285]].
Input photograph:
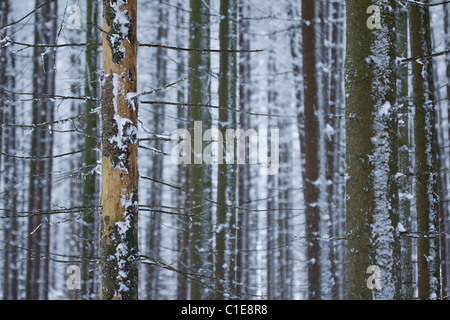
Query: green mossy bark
[[370, 82], [200, 181], [90, 199]]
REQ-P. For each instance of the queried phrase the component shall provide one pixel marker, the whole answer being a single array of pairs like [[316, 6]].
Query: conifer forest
[[224, 150]]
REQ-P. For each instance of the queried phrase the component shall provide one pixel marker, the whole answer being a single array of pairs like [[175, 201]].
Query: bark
[[37, 278], [243, 241], [425, 137], [272, 217], [284, 219], [371, 211], [335, 120], [200, 182], [7, 115], [157, 163], [227, 173], [4, 12], [296, 45], [182, 178], [329, 43], [445, 239], [311, 144], [90, 179], [405, 290], [76, 161], [119, 194]]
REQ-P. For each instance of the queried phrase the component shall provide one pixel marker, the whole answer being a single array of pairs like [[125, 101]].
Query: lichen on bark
[[117, 137], [119, 243], [120, 265], [109, 125], [120, 27]]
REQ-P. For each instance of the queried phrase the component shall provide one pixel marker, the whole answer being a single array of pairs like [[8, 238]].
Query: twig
[[401, 61]]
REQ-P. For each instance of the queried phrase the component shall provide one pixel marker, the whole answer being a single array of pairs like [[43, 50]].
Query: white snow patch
[[400, 227], [384, 109], [329, 131]]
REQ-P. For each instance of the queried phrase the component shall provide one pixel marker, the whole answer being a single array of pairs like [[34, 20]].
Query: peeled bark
[[119, 195]]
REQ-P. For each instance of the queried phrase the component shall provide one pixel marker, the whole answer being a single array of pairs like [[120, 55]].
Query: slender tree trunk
[[371, 143], [285, 268], [445, 240], [244, 179], [157, 163], [37, 278], [119, 195], [311, 145], [272, 216], [425, 138], [4, 12], [405, 290], [296, 45], [11, 233], [183, 222], [227, 173], [328, 42], [90, 179], [7, 116], [200, 175], [334, 144], [76, 161]]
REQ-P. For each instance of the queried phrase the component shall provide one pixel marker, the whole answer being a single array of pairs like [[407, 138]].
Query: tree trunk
[[371, 159], [329, 44], [157, 163], [90, 179], [296, 45], [200, 175], [335, 144], [405, 289], [7, 116], [311, 145], [37, 278], [119, 195], [243, 239], [272, 216], [183, 222], [72, 236], [227, 173], [425, 138], [445, 242]]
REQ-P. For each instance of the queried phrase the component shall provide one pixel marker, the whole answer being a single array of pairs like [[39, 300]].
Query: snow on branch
[[27, 15], [419, 3], [401, 61]]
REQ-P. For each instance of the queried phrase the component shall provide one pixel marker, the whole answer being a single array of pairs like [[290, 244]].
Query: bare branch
[[213, 107], [27, 15], [401, 61]]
